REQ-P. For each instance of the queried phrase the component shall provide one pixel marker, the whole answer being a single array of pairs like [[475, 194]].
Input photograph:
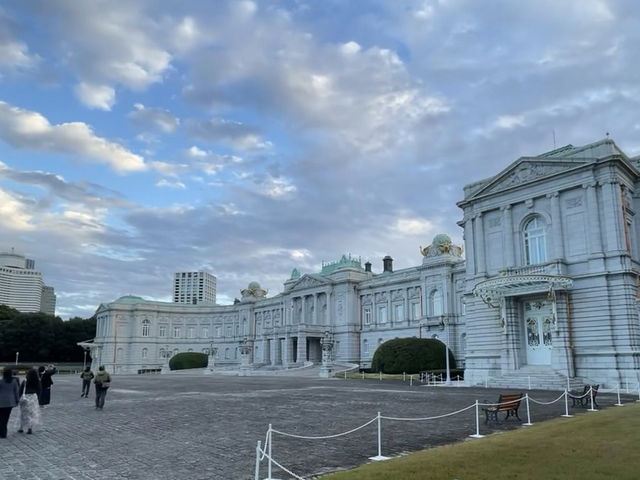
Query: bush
[[182, 361], [411, 355]]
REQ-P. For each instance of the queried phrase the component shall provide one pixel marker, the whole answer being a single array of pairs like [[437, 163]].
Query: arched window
[[436, 302], [535, 241], [144, 353], [365, 346], [146, 327]]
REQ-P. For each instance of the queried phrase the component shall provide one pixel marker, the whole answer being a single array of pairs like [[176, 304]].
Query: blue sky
[[138, 139]]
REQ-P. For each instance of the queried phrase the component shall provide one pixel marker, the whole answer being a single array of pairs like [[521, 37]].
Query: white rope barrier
[[547, 403], [267, 452], [271, 460], [406, 419], [324, 437]]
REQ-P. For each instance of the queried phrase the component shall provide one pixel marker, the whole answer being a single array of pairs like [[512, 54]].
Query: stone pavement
[[206, 427]]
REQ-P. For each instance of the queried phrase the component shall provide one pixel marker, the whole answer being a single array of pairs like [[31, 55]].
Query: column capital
[[505, 208], [588, 185], [553, 195]]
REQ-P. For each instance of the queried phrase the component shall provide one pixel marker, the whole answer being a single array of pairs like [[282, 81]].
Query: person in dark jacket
[[103, 382], [46, 382], [86, 377], [8, 399], [30, 391]]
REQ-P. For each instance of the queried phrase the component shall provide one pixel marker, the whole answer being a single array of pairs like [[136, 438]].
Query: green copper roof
[[130, 299], [344, 262]]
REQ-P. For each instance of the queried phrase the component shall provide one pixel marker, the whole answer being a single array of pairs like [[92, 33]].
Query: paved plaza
[[206, 427]]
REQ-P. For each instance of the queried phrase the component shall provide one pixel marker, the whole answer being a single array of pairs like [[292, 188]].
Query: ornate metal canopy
[[493, 291]]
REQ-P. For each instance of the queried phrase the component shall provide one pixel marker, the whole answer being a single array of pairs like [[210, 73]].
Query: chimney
[[367, 267], [387, 264]]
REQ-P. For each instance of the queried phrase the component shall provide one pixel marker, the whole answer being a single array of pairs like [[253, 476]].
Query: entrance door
[[537, 326]]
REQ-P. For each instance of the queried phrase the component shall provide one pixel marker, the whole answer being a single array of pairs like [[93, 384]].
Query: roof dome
[[130, 299], [441, 239], [254, 286]]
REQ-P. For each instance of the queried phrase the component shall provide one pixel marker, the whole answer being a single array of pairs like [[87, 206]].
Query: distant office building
[[48, 303], [194, 288], [22, 287]]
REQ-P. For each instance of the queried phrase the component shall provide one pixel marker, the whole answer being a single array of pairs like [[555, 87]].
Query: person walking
[[86, 377], [46, 382], [102, 382], [8, 399], [30, 391]]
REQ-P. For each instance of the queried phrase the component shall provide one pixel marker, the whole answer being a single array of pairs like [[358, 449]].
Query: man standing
[[86, 377], [46, 382]]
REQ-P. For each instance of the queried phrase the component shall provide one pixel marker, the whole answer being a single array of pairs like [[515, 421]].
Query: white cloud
[[276, 187], [413, 226], [14, 215], [154, 119], [27, 129], [166, 183], [101, 97]]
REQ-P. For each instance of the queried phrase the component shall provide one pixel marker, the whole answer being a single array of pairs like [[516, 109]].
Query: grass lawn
[[591, 445]]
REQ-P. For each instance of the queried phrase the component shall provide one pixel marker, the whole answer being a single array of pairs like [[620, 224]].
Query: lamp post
[[445, 325], [84, 362], [212, 356], [246, 347]]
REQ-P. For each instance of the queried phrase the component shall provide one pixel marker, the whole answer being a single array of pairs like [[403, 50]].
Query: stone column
[[556, 225], [468, 243], [277, 356], [613, 216], [303, 314], [389, 311], [302, 348], [315, 309], [593, 220], [480, 254], [507, 219]]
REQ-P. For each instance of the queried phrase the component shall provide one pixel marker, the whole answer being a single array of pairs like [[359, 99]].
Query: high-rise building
[[194, 288], [22, 287]]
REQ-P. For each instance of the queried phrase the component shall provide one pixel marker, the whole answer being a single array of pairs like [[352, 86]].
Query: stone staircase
[[538, 377]]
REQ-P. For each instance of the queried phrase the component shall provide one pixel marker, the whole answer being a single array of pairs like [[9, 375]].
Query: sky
[[248, 138]]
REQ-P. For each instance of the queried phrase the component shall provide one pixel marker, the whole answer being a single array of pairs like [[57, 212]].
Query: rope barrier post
[[404, 376], [379, 457], [568, 384], [566, 404], [477, 434], [526, 398], [619, 404], [345, 374], [529, 379], [411, 380], [257, 472], [380, 375], [270, 437], [591, 398], [486, 382], [363, 374]]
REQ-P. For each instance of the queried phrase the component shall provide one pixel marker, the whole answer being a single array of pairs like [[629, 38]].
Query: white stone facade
[[550, 282]]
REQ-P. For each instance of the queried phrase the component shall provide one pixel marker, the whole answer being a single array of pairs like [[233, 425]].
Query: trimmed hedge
[[184, 360], [411, 355]]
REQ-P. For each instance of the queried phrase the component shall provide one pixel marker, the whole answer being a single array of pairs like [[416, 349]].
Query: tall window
[[162, 331], [145, 352], [436, 303], [398, 313], [366, 314], [191, 332], [146, 326], [176, 332], [382, 314], [415, 308], [535, 241], [205, 332]]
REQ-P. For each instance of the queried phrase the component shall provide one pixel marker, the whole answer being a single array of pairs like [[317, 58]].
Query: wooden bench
[[507, 402], [584, 399]]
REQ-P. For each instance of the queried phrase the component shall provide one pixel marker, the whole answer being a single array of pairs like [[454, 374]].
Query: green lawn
[[591, 445]]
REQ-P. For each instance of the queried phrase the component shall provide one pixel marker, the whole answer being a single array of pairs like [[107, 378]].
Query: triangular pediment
[[309, 281], [527, 170]]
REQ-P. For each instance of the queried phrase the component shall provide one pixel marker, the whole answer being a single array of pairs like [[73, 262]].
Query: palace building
[[548, 287]]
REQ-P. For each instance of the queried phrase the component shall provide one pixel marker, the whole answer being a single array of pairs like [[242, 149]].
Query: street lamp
[[212, 354], [84, 362], [446, 349]]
